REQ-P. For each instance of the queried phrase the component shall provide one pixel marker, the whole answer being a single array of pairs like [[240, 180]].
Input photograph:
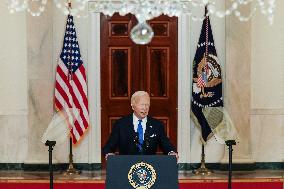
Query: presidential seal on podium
[[142, 176]]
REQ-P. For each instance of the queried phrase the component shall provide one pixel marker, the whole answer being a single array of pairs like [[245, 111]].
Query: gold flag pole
[[202, 170], [71, 169]]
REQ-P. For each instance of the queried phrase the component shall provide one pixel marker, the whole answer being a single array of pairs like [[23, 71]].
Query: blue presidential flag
[[206, 81]]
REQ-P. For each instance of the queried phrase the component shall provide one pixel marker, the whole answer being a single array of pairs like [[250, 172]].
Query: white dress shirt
[[135, 123]]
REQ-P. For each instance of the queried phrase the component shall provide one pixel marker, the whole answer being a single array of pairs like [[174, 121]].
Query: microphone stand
[[230, 143], [146, 142], [50, 145], [136, 141]]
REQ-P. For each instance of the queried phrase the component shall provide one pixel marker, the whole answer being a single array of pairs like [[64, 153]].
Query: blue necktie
[[140, 134]]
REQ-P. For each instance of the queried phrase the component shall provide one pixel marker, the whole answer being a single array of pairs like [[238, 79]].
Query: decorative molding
[[184, 83], [11, 112], [45, 167], [270, 165], [181, 166], [94, 88], [184, 88], [236, 166], [237, 159], [267, 111]]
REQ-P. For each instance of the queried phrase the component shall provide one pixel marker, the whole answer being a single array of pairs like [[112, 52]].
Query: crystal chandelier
[[147, 9], [37, 7]]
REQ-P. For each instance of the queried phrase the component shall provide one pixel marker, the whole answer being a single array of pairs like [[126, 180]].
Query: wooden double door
[[127, 67]]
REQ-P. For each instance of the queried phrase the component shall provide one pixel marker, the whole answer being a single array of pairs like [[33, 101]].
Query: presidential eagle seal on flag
[[208, 75]]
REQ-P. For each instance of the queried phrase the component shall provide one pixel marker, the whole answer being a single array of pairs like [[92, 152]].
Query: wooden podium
[[142, 172]]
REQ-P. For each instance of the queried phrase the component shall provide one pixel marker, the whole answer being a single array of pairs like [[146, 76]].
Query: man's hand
[[173, 154], [109, 154]]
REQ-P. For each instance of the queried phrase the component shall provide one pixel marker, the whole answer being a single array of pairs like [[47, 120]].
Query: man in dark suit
[[138, 133]]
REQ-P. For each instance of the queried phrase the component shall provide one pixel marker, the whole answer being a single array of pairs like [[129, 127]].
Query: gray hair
[[138, 94]]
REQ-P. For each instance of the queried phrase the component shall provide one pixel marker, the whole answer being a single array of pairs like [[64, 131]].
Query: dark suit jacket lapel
[[148, 127], [130, 124]]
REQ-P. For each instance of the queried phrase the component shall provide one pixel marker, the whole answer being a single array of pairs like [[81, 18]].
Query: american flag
[[71, 84], [201, 80]]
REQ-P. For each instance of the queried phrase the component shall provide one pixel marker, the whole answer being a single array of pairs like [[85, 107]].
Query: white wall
[[13, 86], [268, 61], [13, 61], [267, 77]]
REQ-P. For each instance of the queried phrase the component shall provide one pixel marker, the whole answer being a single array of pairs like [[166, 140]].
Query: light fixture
[[37, 7], [147, 9], [142, 33]]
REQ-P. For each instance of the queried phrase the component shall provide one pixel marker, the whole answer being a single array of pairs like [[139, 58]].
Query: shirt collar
[[135, 119]]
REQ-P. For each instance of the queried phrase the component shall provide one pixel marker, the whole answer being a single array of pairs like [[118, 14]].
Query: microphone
[[136, 139], [146, 141], [50, 143]]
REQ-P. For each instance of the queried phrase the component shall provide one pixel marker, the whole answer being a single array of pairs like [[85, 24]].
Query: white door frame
[[184, 88]]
